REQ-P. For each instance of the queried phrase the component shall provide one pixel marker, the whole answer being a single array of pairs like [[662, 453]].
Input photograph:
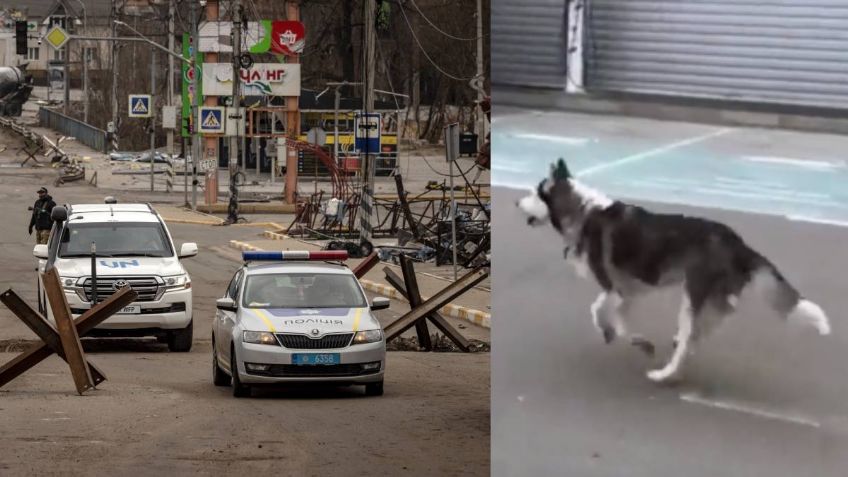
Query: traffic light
[[21, 38]]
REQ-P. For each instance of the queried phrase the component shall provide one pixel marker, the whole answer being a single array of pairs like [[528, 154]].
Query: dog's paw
[[644, 345], [608, 334]]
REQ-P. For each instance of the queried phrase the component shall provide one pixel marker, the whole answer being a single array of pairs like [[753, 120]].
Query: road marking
[[652, 152], [507, 168], [727, 405], [752, 194], [571, 141], [803, 218], [805, 163]]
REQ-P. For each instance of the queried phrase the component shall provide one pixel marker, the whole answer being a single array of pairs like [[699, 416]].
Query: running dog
[[630, 251]]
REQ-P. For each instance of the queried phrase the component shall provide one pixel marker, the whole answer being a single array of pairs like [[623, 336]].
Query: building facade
[[775, 52]]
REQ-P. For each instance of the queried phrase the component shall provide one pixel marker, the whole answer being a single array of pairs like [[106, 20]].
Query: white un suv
[[132, 246]]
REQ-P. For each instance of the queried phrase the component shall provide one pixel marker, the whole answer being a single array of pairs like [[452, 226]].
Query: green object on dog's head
[[561, 170]]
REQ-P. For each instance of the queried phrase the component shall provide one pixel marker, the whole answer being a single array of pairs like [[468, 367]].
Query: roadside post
[[451, 153]]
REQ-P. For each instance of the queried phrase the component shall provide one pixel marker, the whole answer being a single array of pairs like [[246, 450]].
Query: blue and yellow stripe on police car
[[264, 316], [356, 318]]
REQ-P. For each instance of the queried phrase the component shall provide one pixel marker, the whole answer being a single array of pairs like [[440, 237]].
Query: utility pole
[[292, 119], [210, 148], [169, 97], [84, 63], [369, 40], [85, 83], [232, 210], [481, 117], [152, 114], [114, 64], [195, 100], [66, 52]]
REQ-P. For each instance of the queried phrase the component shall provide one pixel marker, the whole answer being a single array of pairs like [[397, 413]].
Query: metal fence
[[82, 132]]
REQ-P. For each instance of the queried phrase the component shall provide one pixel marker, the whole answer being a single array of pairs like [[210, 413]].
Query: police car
[[297, 317]]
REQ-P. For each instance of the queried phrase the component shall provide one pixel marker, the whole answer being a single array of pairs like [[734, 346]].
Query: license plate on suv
[[130, 310], [316, 358]]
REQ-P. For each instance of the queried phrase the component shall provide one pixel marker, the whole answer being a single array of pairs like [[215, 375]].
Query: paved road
[[159, 414], [761, 398], [785, 173]]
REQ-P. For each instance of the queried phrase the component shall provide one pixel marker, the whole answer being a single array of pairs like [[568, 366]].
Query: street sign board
[[169, 117], [367, 127], [139, 106], [206, 165], [57, 37], [211, 119], [235, 119], [452, 142]]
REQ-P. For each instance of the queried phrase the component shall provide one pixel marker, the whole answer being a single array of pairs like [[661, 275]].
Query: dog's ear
[[561, 170]]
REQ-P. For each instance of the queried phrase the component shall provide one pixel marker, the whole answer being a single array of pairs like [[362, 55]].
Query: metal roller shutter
[[781, 51], [528, 42]]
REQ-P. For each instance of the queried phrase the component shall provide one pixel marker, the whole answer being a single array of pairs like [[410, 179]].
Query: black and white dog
[[630, 251]]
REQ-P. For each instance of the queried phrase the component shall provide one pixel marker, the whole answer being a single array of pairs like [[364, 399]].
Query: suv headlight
[[369, 336], [68, 282], [259, 337], [177, 282]]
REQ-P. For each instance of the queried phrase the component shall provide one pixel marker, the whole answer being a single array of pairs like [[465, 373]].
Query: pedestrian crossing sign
[[211, 119], [139, 106]]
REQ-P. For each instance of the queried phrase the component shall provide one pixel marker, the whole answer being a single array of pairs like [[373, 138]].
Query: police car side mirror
[[40, 251], [226, 304], [188, 249], [380, 303]]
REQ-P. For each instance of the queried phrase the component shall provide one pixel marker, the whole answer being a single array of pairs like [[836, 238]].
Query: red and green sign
[[190, 94]]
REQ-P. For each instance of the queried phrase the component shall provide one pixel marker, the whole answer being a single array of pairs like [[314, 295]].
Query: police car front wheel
[[374, 389], [239, 389]]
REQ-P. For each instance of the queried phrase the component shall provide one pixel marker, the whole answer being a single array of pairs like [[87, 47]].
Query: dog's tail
[[787, 301]]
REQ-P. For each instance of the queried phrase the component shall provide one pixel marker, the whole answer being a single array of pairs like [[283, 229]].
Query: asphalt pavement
[[760, 397], [159, 413]]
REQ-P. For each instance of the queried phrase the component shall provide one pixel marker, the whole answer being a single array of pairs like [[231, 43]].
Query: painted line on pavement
[[805, 163], [805, 200], [735, 406], [652, 152], [571, 141], [803, 218]]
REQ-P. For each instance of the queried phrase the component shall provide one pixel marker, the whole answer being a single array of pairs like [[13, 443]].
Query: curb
[[477, 317], [243, 246], [274, 235], [260, 224], [193, 222]]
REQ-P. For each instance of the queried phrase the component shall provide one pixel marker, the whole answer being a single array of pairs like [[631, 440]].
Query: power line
[[421, 47], [439, 29]]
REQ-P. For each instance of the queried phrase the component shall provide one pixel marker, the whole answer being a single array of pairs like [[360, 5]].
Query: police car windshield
[[115, 239], [303, 290]]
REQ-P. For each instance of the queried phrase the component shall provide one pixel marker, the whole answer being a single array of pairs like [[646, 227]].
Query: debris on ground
[[439, 342]]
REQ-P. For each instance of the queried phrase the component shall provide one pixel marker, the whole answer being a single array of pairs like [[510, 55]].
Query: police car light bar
[[289, 256]]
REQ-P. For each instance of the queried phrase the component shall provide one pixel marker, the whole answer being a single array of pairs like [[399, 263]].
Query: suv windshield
[[117, 239], [303, 290]]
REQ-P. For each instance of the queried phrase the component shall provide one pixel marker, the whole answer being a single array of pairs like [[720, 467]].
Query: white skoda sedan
[[297, 317]]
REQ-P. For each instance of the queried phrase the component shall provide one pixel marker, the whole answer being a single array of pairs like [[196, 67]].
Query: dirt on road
[[159, 413]]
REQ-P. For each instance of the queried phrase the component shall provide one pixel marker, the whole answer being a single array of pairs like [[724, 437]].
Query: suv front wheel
[[180, 340]]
